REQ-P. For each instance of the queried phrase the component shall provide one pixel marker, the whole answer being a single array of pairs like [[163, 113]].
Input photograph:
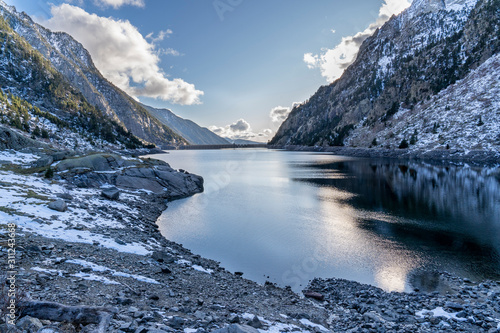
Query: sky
[[234, 66]]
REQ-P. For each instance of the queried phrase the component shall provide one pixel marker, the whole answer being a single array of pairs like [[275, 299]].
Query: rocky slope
[[73, 61], [410, 60], [192, 132]]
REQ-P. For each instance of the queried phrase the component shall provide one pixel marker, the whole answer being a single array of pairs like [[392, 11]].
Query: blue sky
[[218, 62]]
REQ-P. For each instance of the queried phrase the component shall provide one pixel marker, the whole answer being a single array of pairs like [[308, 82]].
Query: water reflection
[[449, 215], [288, 217]]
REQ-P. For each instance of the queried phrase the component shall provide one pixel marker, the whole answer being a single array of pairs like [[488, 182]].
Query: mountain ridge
[[189, 130], [406, 61], [74, 62]]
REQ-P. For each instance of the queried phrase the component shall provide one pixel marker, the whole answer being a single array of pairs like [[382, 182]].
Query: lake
[[287, 217]]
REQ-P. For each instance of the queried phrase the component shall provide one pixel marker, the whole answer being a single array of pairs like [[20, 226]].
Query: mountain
[[425, 78], [36, 100], [189, 130], [75, 64], [243, 142]]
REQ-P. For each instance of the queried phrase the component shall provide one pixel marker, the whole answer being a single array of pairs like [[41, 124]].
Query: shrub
[[403, 144], [49, 173]]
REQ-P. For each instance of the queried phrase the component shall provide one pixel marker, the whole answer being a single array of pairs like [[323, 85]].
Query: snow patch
[[309, 323], [201, 269], [439, 312]]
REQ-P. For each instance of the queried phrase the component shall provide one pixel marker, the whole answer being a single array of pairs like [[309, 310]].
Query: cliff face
[[73, 61], [415, 56]]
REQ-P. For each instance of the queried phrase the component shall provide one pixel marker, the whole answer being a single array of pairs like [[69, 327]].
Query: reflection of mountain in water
[[452, 208]]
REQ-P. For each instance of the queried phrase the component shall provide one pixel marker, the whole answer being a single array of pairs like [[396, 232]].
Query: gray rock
[[163, 257], [60, 155], [234, 318], [29, 324], [255, 322], [176, 322], [235, 328], [10, 139], [200, 315], [119, 241], [65, 196], [454, 306], [43, 161], [141, 329], [58, 205], [48, 330], [111, 193]]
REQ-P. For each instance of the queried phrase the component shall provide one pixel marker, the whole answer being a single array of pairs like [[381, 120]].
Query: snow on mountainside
[[410, 61], [419, 7], [73, 61], [186, 128], [464, 116]]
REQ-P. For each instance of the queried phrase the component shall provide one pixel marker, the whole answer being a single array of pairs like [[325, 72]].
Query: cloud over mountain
[[333, 62], [123, 54]]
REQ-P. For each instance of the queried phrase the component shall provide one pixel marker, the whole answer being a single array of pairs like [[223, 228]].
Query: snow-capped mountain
[[427, 55]]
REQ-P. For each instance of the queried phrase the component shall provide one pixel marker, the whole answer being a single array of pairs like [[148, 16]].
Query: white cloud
[[161, 36], [118, 3], [279, 114], [240, 129], [333, 62], [171, 52], [122, 54]]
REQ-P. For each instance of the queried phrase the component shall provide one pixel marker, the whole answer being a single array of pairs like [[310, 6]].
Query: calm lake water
[[288, 217]]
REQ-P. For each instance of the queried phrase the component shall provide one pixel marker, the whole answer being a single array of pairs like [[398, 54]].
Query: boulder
[[29, 324], [163, 257], [314, 295], [58, 205], [235, 328], [151, 175], [65, 196], [43, 161], [111, 193], [255, 322], [60, 155]]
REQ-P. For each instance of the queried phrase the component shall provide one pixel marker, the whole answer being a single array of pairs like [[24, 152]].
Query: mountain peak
[[425, 6]]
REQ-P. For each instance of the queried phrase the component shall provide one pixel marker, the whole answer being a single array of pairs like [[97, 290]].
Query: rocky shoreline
[[104, 255]]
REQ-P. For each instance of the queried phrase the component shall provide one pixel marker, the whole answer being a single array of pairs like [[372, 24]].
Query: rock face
[[132, 174], [408, 61], [73, 61], [10, 139]]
